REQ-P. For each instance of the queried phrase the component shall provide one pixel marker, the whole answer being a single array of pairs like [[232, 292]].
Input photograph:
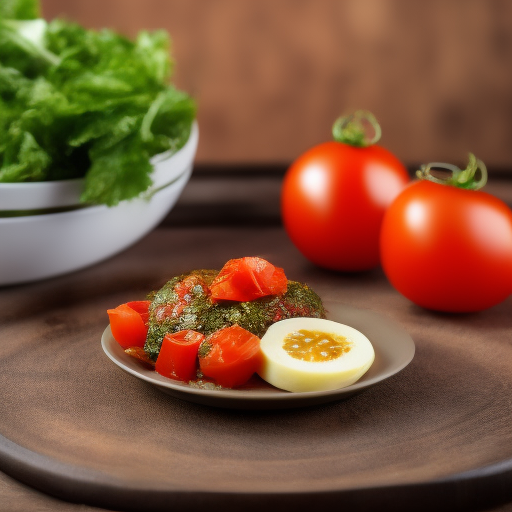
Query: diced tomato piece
[[128, 323], [246, 279], [178, 355], [233, 358], [142, 307]]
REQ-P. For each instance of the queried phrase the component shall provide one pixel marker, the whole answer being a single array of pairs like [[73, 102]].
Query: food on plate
[[445, 244], [185, 302], [247, 279], [189, 330], [334, 196], [128, 323], [230, 356], [178, 355], [248, 318], [139, 354], [78, 103], [313, 354]]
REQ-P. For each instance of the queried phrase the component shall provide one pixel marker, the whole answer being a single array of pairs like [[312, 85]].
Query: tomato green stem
[[467, 178], [359, 129]]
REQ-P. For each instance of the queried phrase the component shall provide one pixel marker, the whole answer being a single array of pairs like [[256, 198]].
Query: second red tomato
[[333, 201], [448, 249]]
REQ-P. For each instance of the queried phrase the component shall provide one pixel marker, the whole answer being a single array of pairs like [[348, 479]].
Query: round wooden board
[[435, 435]]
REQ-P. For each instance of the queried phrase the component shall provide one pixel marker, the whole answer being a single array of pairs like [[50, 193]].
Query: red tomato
[[448, 249], [234, 356], [128, 323], [178, 355], [333, 200], [247, 279], [142, 307]]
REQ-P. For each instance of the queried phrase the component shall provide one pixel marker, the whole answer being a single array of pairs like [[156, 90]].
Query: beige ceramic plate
[[394, 350]]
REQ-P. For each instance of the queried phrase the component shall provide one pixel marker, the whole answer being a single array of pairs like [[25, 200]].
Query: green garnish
[[204, 349], [79, 103], [193, 309]]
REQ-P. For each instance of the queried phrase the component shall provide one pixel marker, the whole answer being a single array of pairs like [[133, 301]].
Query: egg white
[[286, 372]]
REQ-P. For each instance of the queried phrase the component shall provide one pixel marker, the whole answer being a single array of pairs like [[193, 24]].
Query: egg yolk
[[315, 346]]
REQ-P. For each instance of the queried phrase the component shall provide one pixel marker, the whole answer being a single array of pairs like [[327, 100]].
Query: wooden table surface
[[452, 402]]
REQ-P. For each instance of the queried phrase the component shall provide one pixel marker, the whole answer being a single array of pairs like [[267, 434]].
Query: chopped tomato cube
[[178, 355], [142, 307], [246, 279], [233, 356], [128, 323]]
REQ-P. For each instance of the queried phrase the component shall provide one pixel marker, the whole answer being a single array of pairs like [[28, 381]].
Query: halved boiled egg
[[312, 354]]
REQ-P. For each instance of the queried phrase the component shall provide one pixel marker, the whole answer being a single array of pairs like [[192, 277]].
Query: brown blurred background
[[270, 76]]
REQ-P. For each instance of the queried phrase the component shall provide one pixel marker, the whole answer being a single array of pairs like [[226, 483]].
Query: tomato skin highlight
[[128, 323], [333, 200], [248, 278], [448, 249], [178, 355], [233, 358]]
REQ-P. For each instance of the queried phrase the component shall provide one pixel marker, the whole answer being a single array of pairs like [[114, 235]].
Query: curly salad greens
[[79, 103]]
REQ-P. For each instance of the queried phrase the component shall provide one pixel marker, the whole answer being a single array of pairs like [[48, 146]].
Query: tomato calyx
[[473, 177], [359, 129]]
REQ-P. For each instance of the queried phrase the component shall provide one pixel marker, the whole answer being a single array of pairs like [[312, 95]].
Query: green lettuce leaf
[[19, 9], [119, 173], [29, 162], [83, 103]]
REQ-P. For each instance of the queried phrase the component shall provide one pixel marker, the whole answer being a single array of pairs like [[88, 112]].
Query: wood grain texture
[[270, 77]]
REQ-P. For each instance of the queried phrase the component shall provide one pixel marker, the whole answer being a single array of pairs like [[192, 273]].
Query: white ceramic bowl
[[40, 246]]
